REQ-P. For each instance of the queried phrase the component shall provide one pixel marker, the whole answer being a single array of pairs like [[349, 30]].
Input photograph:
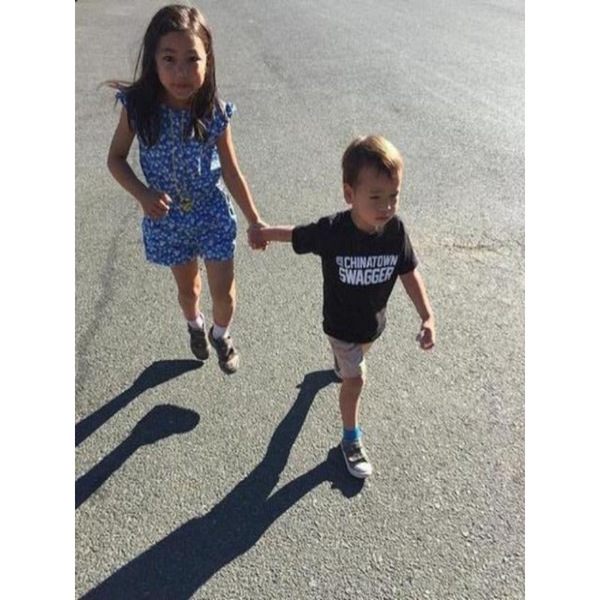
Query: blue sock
[[351, 435]]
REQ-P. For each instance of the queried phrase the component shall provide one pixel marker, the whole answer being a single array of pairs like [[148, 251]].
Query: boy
[[363, 250]]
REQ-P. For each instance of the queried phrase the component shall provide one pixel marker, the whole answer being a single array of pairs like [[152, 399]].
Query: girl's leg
[[189, 284], [222, 290]]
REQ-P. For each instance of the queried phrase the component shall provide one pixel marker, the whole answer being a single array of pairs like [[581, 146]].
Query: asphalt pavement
[[192, 484]]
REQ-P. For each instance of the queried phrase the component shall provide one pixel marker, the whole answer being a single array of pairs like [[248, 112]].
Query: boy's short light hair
[[370, 151]]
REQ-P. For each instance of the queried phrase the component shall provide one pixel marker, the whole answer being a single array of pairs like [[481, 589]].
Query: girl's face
[[181, 66]]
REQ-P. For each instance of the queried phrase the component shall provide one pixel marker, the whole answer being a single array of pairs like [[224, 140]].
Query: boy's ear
[[348, 193]]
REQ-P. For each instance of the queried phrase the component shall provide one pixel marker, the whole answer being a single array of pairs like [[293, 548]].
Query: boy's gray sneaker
[[356, 459], [198, 343], [229, 359]]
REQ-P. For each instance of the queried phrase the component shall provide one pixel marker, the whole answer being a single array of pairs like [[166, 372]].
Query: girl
[[185, 144]]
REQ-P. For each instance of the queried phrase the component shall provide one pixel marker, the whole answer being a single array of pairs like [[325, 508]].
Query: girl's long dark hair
[[143, 94]]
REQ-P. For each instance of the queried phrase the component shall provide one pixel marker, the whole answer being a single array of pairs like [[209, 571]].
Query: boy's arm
[[305, 238], [281, 233], [415, 288]]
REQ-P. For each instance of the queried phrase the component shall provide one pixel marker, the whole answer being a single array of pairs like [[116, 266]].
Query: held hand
[[426, 337], [155, 204], [255, 238]]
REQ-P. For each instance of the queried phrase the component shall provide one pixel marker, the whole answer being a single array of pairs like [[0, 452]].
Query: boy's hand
[[426, 337], [255, 237], [155, 204]]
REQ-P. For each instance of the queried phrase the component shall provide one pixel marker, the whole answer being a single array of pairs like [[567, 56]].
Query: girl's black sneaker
[[229, 359], [198, 343]]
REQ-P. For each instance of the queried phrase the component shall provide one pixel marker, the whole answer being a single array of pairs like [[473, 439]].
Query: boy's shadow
[[157, 373], [179, 564], [160, 422]]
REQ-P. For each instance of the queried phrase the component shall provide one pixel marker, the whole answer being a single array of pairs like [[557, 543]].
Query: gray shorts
[[349, 357]]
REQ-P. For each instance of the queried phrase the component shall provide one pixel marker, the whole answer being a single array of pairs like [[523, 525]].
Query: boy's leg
[[222, 290], [336, 366], [349, 359], [350, 400], [366, 348], [189, 284]]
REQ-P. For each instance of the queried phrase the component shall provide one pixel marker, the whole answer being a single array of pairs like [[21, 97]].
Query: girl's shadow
[[157, 373], [179, 564], [160, 422]]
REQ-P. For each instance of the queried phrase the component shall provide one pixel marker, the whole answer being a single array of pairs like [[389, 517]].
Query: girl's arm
[[154, 204], [415, 288], [234, 179]]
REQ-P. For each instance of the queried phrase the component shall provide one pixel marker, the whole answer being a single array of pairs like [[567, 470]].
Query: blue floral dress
[[201, 221]]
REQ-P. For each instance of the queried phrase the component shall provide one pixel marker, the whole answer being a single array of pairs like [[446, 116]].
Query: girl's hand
[[426, 337], [155, 204], [255, 238]]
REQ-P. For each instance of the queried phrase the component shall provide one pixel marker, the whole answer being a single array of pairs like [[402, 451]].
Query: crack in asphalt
[[106, 278]]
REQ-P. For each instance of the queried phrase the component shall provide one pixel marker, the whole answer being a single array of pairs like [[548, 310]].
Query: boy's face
[[374, 198], [181, 66]]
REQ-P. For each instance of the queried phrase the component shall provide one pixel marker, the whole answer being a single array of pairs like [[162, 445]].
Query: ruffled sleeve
[[223, 114], [122, 97]]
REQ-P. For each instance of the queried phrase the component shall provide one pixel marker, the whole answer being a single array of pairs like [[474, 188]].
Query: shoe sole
[[230, 370], [354, 473]]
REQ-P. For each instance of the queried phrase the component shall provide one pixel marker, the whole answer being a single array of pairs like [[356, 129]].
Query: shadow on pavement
[[179, 564], [160, 422], [157, 373]]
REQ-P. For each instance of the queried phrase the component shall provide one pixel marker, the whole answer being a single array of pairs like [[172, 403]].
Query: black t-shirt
[[359, 272]]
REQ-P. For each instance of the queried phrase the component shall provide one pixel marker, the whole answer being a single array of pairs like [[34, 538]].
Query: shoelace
[[356, 454]]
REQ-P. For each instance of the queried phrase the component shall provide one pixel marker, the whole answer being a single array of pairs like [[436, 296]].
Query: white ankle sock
[[219, 332], [198, 322]]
